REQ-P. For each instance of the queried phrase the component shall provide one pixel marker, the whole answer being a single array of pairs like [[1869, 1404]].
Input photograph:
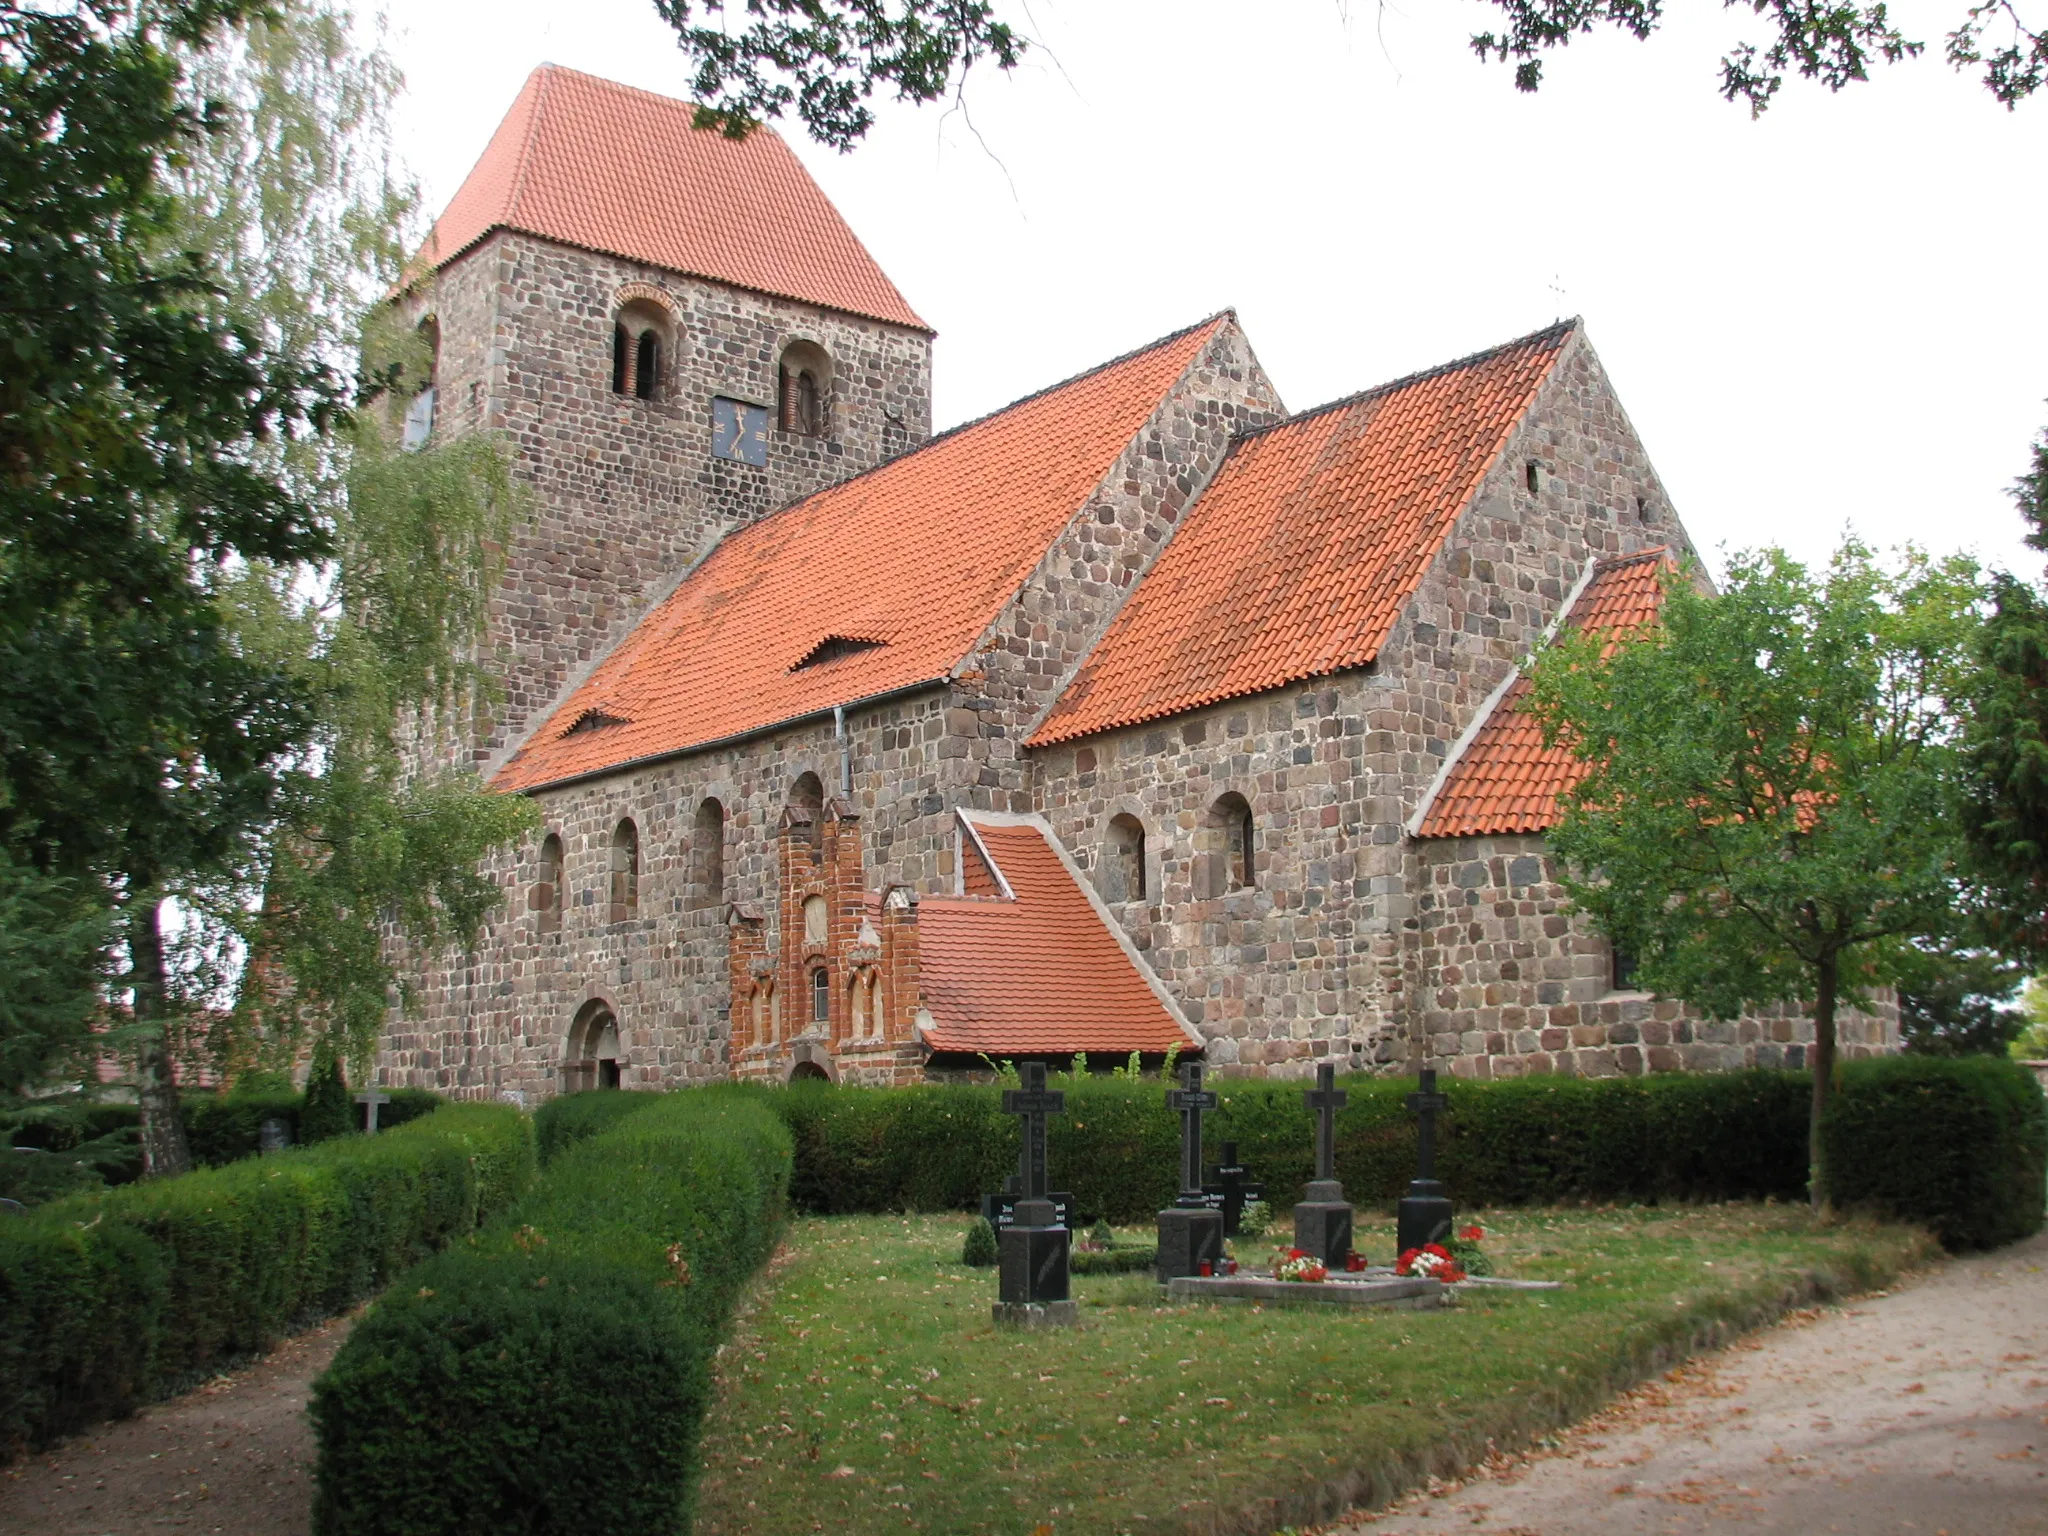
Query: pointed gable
[[595, 164], [1034, 964], [879, 584], [1506, 780], [1298, 558]]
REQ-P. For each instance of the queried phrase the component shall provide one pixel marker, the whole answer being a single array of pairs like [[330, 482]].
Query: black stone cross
[[1034, 1103], [1326, 1098], [1232, 1191], [1426, 1104], [1423, 1215], [1189, 1101]]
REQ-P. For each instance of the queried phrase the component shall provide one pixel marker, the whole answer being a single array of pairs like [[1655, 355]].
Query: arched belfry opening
[[593, 1056], [803, 390], [643, 340]]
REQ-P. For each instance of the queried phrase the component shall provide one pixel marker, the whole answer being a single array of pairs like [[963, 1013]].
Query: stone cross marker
[[1032, 1281], [370, 1098], [1190, 1101], [1033, 1103], [1322, 1222], [1424, 1213], [1326, 1098], [1191, 1230]]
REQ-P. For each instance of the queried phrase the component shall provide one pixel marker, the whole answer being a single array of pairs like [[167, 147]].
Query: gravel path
[[1919, 1410], [235, 1456]]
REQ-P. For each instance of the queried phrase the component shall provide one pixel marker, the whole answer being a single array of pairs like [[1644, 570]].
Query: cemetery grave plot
[[868, 1389]]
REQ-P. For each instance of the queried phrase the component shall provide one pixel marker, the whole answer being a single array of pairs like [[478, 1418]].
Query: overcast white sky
[[1832, 316]]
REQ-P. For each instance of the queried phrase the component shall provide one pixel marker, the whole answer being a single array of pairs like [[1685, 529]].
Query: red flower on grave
[[1429, 1262], [1471, 1234]]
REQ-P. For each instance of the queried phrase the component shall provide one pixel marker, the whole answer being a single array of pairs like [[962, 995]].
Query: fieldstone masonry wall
[[625, 492], [1512, 985]]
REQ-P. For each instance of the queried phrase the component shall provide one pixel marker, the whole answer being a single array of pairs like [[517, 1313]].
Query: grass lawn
[[868, 1391]]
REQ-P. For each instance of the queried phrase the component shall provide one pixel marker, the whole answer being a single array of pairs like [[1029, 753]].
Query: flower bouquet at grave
[[1432, 1261], [1465, 1249], [1295, 1264]]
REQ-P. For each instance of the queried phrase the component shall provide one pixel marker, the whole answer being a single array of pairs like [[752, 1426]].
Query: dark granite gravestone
[[274, 1134], [1424, 1214], [1001, 1209], [1032, 1250], [1191, 1229], [1322, 1222], [1231, 1190]]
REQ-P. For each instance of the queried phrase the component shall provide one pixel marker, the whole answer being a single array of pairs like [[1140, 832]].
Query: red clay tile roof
[[920, 553], [1297, 559], [1041, 970], [603, 166], [1507, 780]]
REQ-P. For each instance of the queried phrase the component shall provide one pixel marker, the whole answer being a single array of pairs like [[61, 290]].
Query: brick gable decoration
[[1507, 780], [882, 583], [602, 166], [1299, 557]]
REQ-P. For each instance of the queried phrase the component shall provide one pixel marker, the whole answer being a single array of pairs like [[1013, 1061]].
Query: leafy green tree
[[220, 590], [2005, 812], [825, 59], [1959, 1002], [2031, 1044], [134, 421], [1769, 815], [1834, 44], [371, 856]]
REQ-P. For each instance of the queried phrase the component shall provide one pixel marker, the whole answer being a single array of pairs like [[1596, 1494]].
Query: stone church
[[1141, 715]]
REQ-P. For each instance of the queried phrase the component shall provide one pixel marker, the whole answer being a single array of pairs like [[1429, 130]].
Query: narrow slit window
[[619, 350], [1532, 472], [821, 996], [646, 365]]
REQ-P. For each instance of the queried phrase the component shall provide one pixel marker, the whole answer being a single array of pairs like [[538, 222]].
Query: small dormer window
[[596, 718], [833, 648]]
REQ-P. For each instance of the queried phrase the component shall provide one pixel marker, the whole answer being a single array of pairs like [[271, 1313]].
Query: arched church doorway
[[593, 1057], [809, 1072]]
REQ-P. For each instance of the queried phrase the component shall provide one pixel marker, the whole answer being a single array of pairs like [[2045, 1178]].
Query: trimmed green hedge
[[1959, 1145], [1531, 1140], [553, 1374], [110, 1299], [565, 1121], [219, 1128]]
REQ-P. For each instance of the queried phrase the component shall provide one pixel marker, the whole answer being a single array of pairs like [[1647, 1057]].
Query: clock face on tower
[[739, 431]]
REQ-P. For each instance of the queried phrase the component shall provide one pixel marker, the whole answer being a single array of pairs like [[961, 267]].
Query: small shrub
[[1255, 1220], [328, 1111], [1114, 1261], [980, 1250]]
